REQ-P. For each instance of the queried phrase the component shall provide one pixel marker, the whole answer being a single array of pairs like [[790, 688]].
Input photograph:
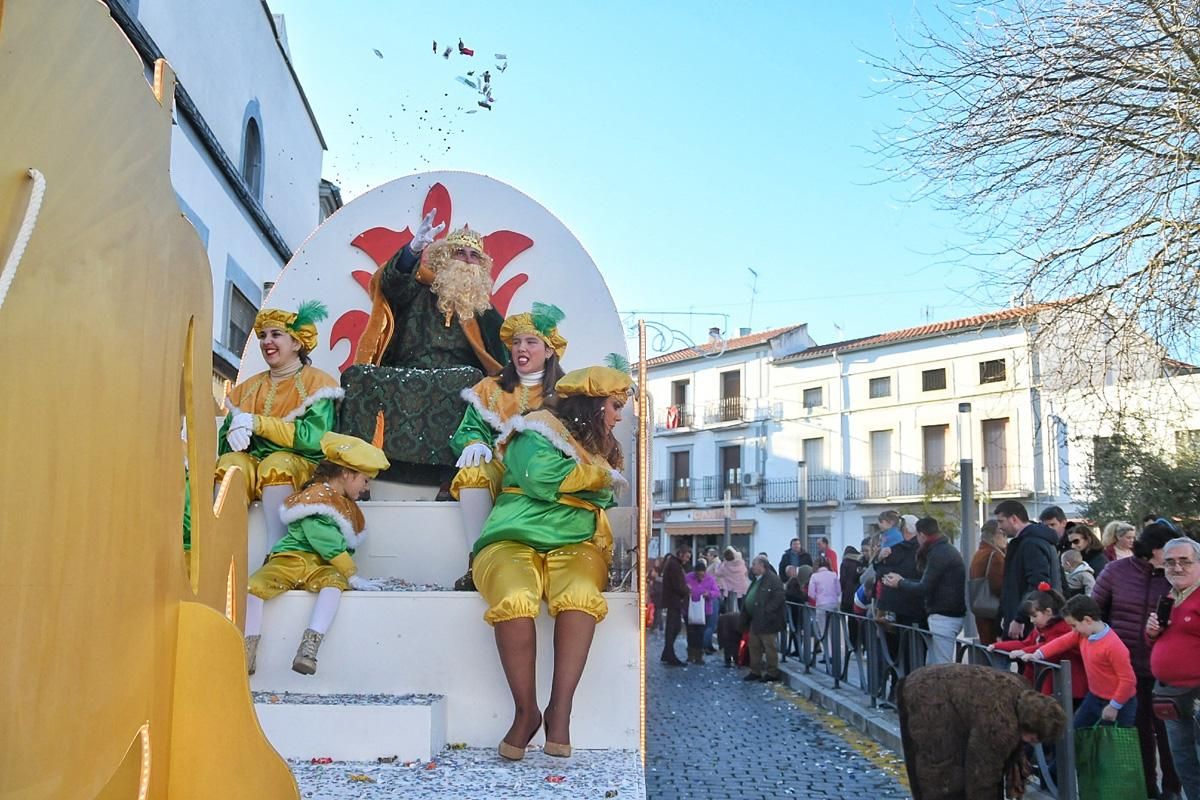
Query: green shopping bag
[[1108, 761]]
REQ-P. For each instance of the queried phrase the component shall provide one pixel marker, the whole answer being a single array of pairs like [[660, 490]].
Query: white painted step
[[421, 541], [438, 643], [354, 727]]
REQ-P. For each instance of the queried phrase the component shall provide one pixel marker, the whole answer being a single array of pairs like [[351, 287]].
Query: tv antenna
[[753, 294]]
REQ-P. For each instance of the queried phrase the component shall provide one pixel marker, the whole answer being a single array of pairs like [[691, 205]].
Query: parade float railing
[[871, 656]]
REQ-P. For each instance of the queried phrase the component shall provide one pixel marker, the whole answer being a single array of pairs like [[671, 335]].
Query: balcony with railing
[[674, 418], [943, 485], [728, 409], [823, 487], [704, 490]]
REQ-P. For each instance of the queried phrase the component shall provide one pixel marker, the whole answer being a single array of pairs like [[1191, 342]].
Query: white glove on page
[[423, 236], [473, 455], [361, 584]]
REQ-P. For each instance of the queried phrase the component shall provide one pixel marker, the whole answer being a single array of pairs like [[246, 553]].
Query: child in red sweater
[[1112, 686], [1043, 607]]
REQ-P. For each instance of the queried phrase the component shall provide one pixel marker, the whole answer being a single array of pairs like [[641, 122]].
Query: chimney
[[743, 331], [714, 332]]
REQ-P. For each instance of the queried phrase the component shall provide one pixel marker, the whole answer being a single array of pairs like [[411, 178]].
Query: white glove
[[240, 429], [361, 584], [423, 236], [618, 480], [473, 455], [238, 438]]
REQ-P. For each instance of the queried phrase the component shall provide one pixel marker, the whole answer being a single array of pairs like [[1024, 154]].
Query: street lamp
[[966, 478]]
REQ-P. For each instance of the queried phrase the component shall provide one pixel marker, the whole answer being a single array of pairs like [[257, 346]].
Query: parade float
[[123, 670]]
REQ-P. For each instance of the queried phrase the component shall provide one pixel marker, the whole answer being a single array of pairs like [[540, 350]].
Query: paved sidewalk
[[712, 736]]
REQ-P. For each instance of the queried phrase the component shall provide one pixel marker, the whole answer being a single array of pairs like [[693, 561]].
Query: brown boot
[[251, 653], [305, 661], [467, 582]]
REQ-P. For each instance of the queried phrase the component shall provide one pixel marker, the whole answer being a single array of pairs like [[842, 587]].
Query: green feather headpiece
[[618, 362], [310, 312], [546, 317]]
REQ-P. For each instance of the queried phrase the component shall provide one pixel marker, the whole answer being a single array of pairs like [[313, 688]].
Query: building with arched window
[[246, 150]]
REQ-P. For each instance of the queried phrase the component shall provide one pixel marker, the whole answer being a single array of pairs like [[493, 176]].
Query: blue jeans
[[1088, 713], [1184, 736], [710, 626]]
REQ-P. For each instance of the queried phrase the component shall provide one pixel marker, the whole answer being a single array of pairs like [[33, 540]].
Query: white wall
[[225, 53]]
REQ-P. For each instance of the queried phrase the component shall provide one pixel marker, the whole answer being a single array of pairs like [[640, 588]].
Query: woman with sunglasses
[[1082, 538]]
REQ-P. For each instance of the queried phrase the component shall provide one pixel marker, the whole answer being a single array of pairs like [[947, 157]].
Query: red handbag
[[743, 657], [649, 615]]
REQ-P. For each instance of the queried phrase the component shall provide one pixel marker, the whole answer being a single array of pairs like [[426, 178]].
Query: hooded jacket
[[1031, 558]]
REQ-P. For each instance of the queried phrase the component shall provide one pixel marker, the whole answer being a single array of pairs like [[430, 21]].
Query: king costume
[[415, 359]]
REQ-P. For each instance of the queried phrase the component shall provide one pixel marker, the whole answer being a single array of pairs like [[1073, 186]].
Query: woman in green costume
[[548, 538]]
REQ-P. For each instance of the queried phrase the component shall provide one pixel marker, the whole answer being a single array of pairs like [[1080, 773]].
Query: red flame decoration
[[380, 244]]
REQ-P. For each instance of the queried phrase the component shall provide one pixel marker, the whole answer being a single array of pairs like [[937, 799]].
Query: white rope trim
[[23, 233], [489, 416], [290, 514], [519, 423], [328, 393]]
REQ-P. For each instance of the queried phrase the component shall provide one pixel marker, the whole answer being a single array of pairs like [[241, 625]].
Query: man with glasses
[[1175, 643]]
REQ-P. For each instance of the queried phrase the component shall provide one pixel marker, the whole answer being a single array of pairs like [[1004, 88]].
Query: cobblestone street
[[711, 735]]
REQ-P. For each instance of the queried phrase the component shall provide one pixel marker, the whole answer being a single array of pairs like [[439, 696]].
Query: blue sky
[[682, 143]]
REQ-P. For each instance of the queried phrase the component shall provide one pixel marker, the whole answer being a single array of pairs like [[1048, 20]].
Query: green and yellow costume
[[290, 417], [324, 527], [489, 407], [548, 536], [290, 414]]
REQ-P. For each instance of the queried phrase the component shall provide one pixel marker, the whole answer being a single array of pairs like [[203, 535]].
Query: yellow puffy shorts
[[514, 579], [295, 570], [278, 469], [487, 475]]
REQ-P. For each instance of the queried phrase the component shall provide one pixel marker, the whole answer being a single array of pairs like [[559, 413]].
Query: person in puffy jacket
[[1128, 591], [732, 578]]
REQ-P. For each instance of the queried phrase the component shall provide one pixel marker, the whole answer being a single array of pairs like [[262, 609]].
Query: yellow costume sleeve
[[586, 478], [344, 564], [276, 430]]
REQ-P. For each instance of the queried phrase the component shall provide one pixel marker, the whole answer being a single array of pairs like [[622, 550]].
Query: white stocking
[[475, 505], [272, 501], [254, 612], [325, 609]]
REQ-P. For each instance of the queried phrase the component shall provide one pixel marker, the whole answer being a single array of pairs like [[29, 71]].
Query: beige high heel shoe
[[555, 748]]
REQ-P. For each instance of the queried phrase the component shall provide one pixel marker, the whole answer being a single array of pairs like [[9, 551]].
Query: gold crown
[[465, 237]]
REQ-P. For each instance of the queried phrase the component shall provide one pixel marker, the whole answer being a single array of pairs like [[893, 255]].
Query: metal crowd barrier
[[872, 656]]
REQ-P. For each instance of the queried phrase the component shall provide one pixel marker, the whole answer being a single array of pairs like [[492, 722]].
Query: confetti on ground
[[367, 699], [480, 774]]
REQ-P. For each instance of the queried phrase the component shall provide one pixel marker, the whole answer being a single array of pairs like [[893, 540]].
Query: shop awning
[[740, 527]]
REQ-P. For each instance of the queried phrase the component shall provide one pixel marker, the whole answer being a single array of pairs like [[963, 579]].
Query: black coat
[[943, 583], [849, 573], [675, 593], [1031, 557], [790, 559], [908, 607]]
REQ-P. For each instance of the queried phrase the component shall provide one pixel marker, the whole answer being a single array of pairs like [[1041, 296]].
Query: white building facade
[[246, 149], [880, 422]]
